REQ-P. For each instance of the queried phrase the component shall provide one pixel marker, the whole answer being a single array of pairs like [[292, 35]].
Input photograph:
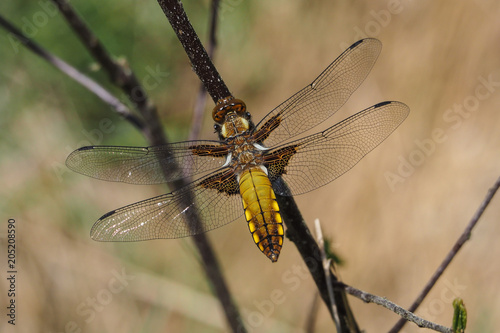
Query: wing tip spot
[[108, 214], [85, 148], [378, 105], [357, 43]]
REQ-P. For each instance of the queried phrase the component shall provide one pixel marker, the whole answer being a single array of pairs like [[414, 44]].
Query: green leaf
[[459, 316], [330, 254]]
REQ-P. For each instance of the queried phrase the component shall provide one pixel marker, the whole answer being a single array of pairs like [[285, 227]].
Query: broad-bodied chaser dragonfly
[[249, 163]]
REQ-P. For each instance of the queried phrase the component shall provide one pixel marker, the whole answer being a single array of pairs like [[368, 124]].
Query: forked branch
[[149, 126], [73, 73]]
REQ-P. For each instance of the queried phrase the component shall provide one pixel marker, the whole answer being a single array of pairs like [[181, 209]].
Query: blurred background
[[392, 218]]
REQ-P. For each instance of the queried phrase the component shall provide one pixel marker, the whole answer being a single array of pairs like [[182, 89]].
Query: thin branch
[[326, 268], [296, 228], [313, 313], [202, 65], [198, 110], [201, 99], [214, 14], [211, 79], [151, 128], [73, 73], [121, 75], [298, 232], [405, 314], [117, 73], [464, 237]]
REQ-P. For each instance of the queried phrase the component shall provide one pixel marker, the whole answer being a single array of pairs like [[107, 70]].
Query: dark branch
[[116, 72], [150, 128], [464, 237], [210, 78], [215, 86], [73, 73], [298, 232], [201, 99], [120, 75], [202, 65]]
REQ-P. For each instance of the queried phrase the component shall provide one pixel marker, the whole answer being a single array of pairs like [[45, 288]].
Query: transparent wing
[[324, 96], [316, 160], [215, 199], [146, 165]]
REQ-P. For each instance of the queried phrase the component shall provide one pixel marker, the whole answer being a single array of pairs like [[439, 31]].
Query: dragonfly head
[[231, 117]]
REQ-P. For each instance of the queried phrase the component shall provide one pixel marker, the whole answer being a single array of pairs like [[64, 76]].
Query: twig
[[116, 72], [211, 79], [202, 65], [199, 107], [313, 312], [201, 99], [464, 237], [405, 314], [326, 268], [296, 228], [298, 232], [150, 128], [119, 74], [73, 73]]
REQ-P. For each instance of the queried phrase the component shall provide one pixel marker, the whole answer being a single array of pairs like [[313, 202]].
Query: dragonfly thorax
[[234, 125], [259, 160], [244, 154]]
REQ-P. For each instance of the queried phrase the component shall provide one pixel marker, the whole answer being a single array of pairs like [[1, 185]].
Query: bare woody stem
[[150, 127], [201, 98], [121, 76], [125, 78], [76, 75], [202, 65], [405, 314], [297, 231], [464, 237]]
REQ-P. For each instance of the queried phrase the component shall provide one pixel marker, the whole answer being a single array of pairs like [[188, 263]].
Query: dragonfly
[[242, 172]]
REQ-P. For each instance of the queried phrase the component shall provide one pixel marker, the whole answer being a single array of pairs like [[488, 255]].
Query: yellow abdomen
[[262, 211]]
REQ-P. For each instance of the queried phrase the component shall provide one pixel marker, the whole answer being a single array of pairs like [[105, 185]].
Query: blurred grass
[[391, 239]]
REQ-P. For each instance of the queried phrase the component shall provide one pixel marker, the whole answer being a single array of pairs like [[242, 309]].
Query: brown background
[[392, 236]]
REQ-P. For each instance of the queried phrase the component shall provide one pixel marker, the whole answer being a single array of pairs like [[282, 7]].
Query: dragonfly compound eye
[[228, 105]]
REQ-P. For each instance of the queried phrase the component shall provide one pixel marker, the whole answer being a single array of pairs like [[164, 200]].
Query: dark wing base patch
[[266, 129], [224, 182], [277, 161], [209, 150]]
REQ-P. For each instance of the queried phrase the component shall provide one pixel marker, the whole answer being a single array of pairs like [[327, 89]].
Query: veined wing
[[215, 199], [318, 159], [323, 97], [148, 165]]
